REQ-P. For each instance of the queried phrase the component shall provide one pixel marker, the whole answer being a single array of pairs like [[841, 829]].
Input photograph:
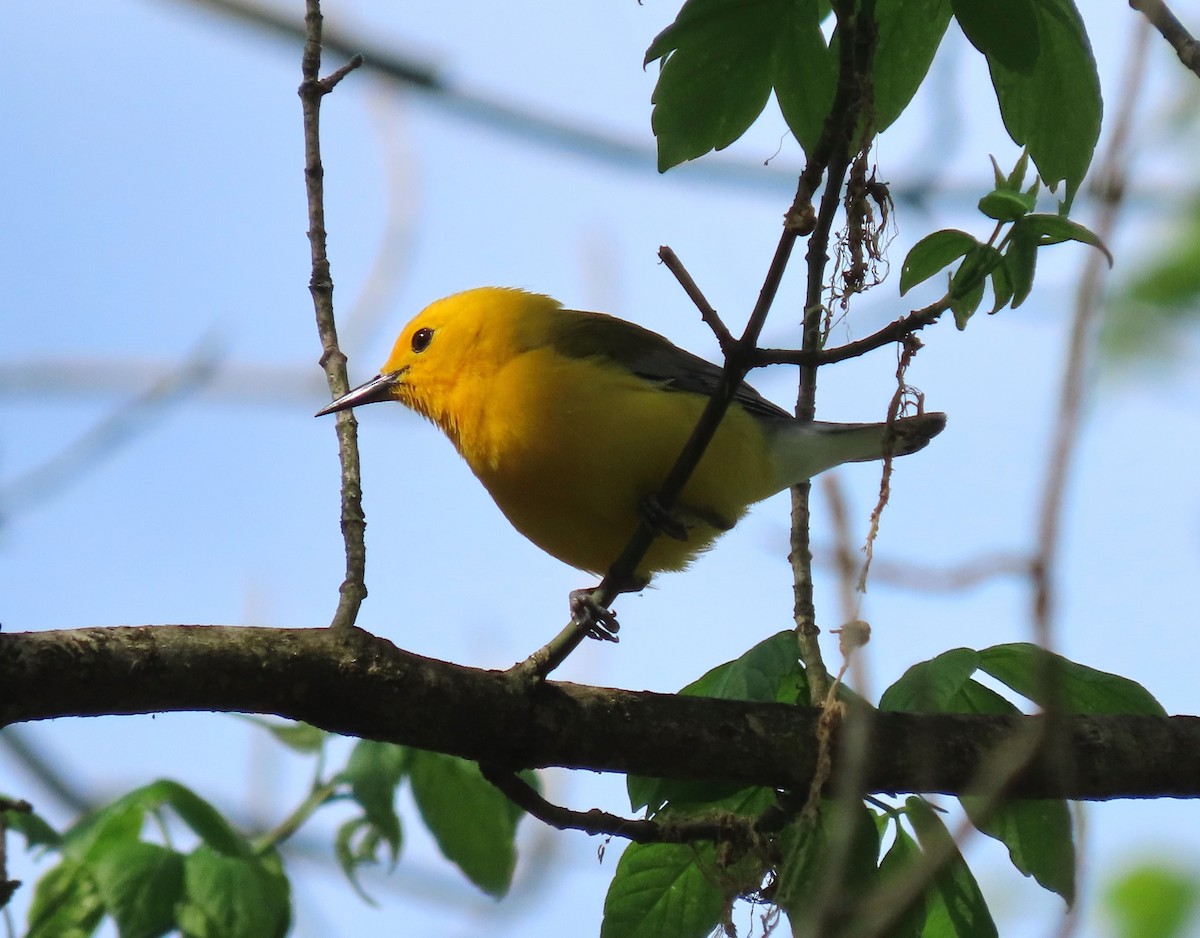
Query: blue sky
[[155, 209]]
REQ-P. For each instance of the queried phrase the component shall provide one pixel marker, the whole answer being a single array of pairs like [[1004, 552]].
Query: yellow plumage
[[572, 419]]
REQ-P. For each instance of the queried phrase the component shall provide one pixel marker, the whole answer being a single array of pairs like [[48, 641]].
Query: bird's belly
[[572, 479]]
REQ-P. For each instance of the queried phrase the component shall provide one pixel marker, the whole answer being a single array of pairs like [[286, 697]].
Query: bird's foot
[[662, 519], [594, 620]]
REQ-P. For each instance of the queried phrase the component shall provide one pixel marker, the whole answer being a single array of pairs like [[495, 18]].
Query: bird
[[573, 419]]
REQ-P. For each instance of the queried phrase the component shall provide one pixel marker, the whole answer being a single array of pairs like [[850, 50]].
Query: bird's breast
[[569, 448]]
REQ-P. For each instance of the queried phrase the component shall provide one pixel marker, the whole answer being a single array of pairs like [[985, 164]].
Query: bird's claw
[[662, 519], [595, 621]]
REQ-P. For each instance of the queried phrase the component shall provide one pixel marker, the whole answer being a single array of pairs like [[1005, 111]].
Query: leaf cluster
[[691, 889], [222, 887], [1009, 257], [722, 59], [228, 885]]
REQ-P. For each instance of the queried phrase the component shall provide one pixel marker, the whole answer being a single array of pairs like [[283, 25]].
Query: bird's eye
[[421, 339]]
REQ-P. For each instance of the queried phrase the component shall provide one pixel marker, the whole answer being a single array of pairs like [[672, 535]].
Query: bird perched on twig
[[572, 420]]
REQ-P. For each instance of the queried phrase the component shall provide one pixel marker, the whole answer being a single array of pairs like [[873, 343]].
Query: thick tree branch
[[364, 686]]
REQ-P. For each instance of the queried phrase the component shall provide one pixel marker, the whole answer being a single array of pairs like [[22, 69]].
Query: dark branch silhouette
[[364, 686]]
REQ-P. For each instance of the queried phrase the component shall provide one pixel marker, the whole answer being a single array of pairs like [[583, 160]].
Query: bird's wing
[[650, 356]]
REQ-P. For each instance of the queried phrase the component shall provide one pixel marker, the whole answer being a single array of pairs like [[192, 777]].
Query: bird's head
[[452, 343]]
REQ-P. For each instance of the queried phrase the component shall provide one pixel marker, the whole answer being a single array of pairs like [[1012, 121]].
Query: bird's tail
[[802, 450]]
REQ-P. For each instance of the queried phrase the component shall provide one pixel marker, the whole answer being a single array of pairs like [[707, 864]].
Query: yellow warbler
[[571, 420]]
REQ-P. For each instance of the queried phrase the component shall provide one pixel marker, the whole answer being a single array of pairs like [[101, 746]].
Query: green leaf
[[1006, 205], [139, 884], [233, 897], [33, 827], [933, 253], [1004, 30], [943, 685], [900, 857], [721, 60], [955, 905], [964, 306], [975, 698], [300, 737], [716, 76], [123, 819], [805, 73], [1055, 229], [357, 844], [768, 672], [979, 262], [1054, 108], [1022, 666], [1020, 258], [1016, 178], [966, 285], [206, 821], [119, 822], [1000, 179], [1038, 836], [374, 771], [663, 889], [65, 904], [803, 875], [1153, 901], [931, 686], [475, 826], [1002, 286], [908, 34]]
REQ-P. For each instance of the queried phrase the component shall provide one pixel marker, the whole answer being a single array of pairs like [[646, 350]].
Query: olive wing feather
[[650, 356]]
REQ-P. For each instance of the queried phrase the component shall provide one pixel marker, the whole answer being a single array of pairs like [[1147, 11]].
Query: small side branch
[[888, 335], [723, 827], [1168, 25], [672, 262]]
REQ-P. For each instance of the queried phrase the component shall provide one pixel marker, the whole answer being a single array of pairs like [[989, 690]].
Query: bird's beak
[[377, 389]]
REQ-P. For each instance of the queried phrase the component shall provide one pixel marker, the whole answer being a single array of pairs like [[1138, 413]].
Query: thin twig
[[318, 797], [312, 89], [623, 572], [903, 396], [891, 333], [857, 29], [800, 553], [829, 160], [1168, 25], [722, 826], [672, 262]]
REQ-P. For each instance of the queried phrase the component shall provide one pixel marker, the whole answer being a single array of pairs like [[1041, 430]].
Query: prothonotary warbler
[[572, 420]]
